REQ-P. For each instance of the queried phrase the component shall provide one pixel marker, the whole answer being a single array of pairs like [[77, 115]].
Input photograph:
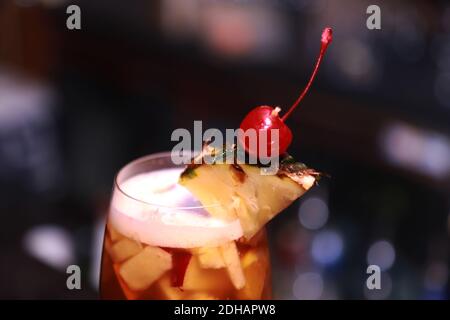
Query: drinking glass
[[176, 250]]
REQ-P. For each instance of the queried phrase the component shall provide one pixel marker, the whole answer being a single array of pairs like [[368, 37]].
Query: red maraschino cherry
[[265, 118]]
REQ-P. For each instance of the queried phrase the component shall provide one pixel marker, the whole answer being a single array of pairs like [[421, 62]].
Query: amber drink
[[161, 243]]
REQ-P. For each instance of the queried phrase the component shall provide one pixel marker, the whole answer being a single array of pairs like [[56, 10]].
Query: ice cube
[[166, 290], [197, 278], [124, 249], [143, 269], [113, 233], [128, 293]]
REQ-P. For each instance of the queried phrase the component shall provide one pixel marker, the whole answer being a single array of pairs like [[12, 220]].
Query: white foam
[[153, 208]]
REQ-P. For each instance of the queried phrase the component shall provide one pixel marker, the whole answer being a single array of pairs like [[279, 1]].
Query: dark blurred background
[[76, 105]]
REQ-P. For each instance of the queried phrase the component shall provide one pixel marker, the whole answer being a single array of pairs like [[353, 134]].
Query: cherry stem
[[326, 40]]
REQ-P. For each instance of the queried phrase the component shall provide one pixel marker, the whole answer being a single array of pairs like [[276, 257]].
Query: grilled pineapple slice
[[230, 191]]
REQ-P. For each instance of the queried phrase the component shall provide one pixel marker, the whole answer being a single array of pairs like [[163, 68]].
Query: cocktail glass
[[160, 243]]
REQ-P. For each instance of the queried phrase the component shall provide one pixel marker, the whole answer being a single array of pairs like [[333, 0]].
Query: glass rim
[[149, 157]]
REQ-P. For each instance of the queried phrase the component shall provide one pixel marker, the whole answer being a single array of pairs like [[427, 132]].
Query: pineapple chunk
[[197, 278], [209, 257], [166, 290], [255, 264], [256, 240], [242, 192], [124, 249], [230, 255], [143, 269]]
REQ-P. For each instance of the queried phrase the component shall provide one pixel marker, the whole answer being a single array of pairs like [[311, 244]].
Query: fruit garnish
[[266, 118], [239, 191]]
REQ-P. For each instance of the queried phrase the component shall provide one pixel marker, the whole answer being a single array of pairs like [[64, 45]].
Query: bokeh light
[[308, 286], [50, 244], [313, 213], [356, 62], [416, 149], [382, 254], [327, 247]]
